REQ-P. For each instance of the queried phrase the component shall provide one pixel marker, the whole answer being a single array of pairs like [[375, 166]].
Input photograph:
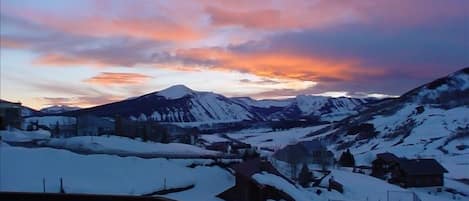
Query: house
[[10, 115], [418, 173], [408, 172], [384, 164], [247, 188], [92, 125], [305, 152], [224, 147]]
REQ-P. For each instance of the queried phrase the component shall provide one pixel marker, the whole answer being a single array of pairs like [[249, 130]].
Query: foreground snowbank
[[16, 135], [23, 169], [126, 145]]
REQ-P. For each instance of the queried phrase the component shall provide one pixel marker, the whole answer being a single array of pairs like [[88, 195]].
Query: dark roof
[[421, 166], [388, 157], [254, 166], [233, 193], [313, 145], [292, 154]]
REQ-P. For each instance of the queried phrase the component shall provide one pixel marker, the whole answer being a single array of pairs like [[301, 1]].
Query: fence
[[402, 196], [395, 196]]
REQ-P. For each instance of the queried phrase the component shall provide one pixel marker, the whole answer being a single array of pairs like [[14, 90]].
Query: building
[[88, 125], [384, 164], [418, 173], [305, 152], [10, 115], [224, 147], [247, 188], [147, 130], [408, 172]]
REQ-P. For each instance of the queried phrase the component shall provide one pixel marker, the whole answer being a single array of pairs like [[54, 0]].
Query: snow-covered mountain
[[305, 106], [429, 121], [182, 104], [176, 104], [323, 108], [56, 109]]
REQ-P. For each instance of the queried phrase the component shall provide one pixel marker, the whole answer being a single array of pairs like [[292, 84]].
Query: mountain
[[305, 106], [176, 104], [323, 108], [56, 109], [429, 121], [182, 104]]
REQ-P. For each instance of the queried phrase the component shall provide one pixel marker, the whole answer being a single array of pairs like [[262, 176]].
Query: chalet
[[384, 164], [418, 173], [10, 115], [305, 152], [408, 172], [247, 188]]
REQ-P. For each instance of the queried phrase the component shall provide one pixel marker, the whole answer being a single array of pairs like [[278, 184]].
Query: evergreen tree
[[144, 134], [347, 159], [305, 176], [56, 129]]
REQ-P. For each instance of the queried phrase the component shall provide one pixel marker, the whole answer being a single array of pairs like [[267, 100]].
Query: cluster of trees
[[305, 176], [364, 131], [347, 159]]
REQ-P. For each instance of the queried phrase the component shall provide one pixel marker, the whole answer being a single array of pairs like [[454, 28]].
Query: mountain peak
[[175, 92], [55, 109]]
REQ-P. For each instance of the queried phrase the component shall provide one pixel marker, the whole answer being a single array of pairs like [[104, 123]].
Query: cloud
[[79, 101], [301, 14], [368, 46], [128, 21], [108, 78], [264, 81]]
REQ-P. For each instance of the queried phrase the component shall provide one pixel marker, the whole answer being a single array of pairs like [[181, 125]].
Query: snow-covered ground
[[23, 169], [266, 138], [15, 135], [116, 144], [210, 181]]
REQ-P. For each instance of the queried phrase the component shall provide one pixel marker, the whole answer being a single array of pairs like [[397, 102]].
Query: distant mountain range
[[182, 104], [57, 109]]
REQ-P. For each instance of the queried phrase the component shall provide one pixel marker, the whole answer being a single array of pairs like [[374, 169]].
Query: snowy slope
[[176, 104], [325, 108], [430, 121], [265, 103], [116, 144]]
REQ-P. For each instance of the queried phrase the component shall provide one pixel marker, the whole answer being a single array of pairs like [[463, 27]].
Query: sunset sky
[[84, 53]]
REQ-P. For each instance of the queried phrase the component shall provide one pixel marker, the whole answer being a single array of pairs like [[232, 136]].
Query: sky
[[85, 53]]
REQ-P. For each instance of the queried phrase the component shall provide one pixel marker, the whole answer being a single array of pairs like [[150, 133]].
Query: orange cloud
[[107, 78], [280, 64], [61, 60]]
